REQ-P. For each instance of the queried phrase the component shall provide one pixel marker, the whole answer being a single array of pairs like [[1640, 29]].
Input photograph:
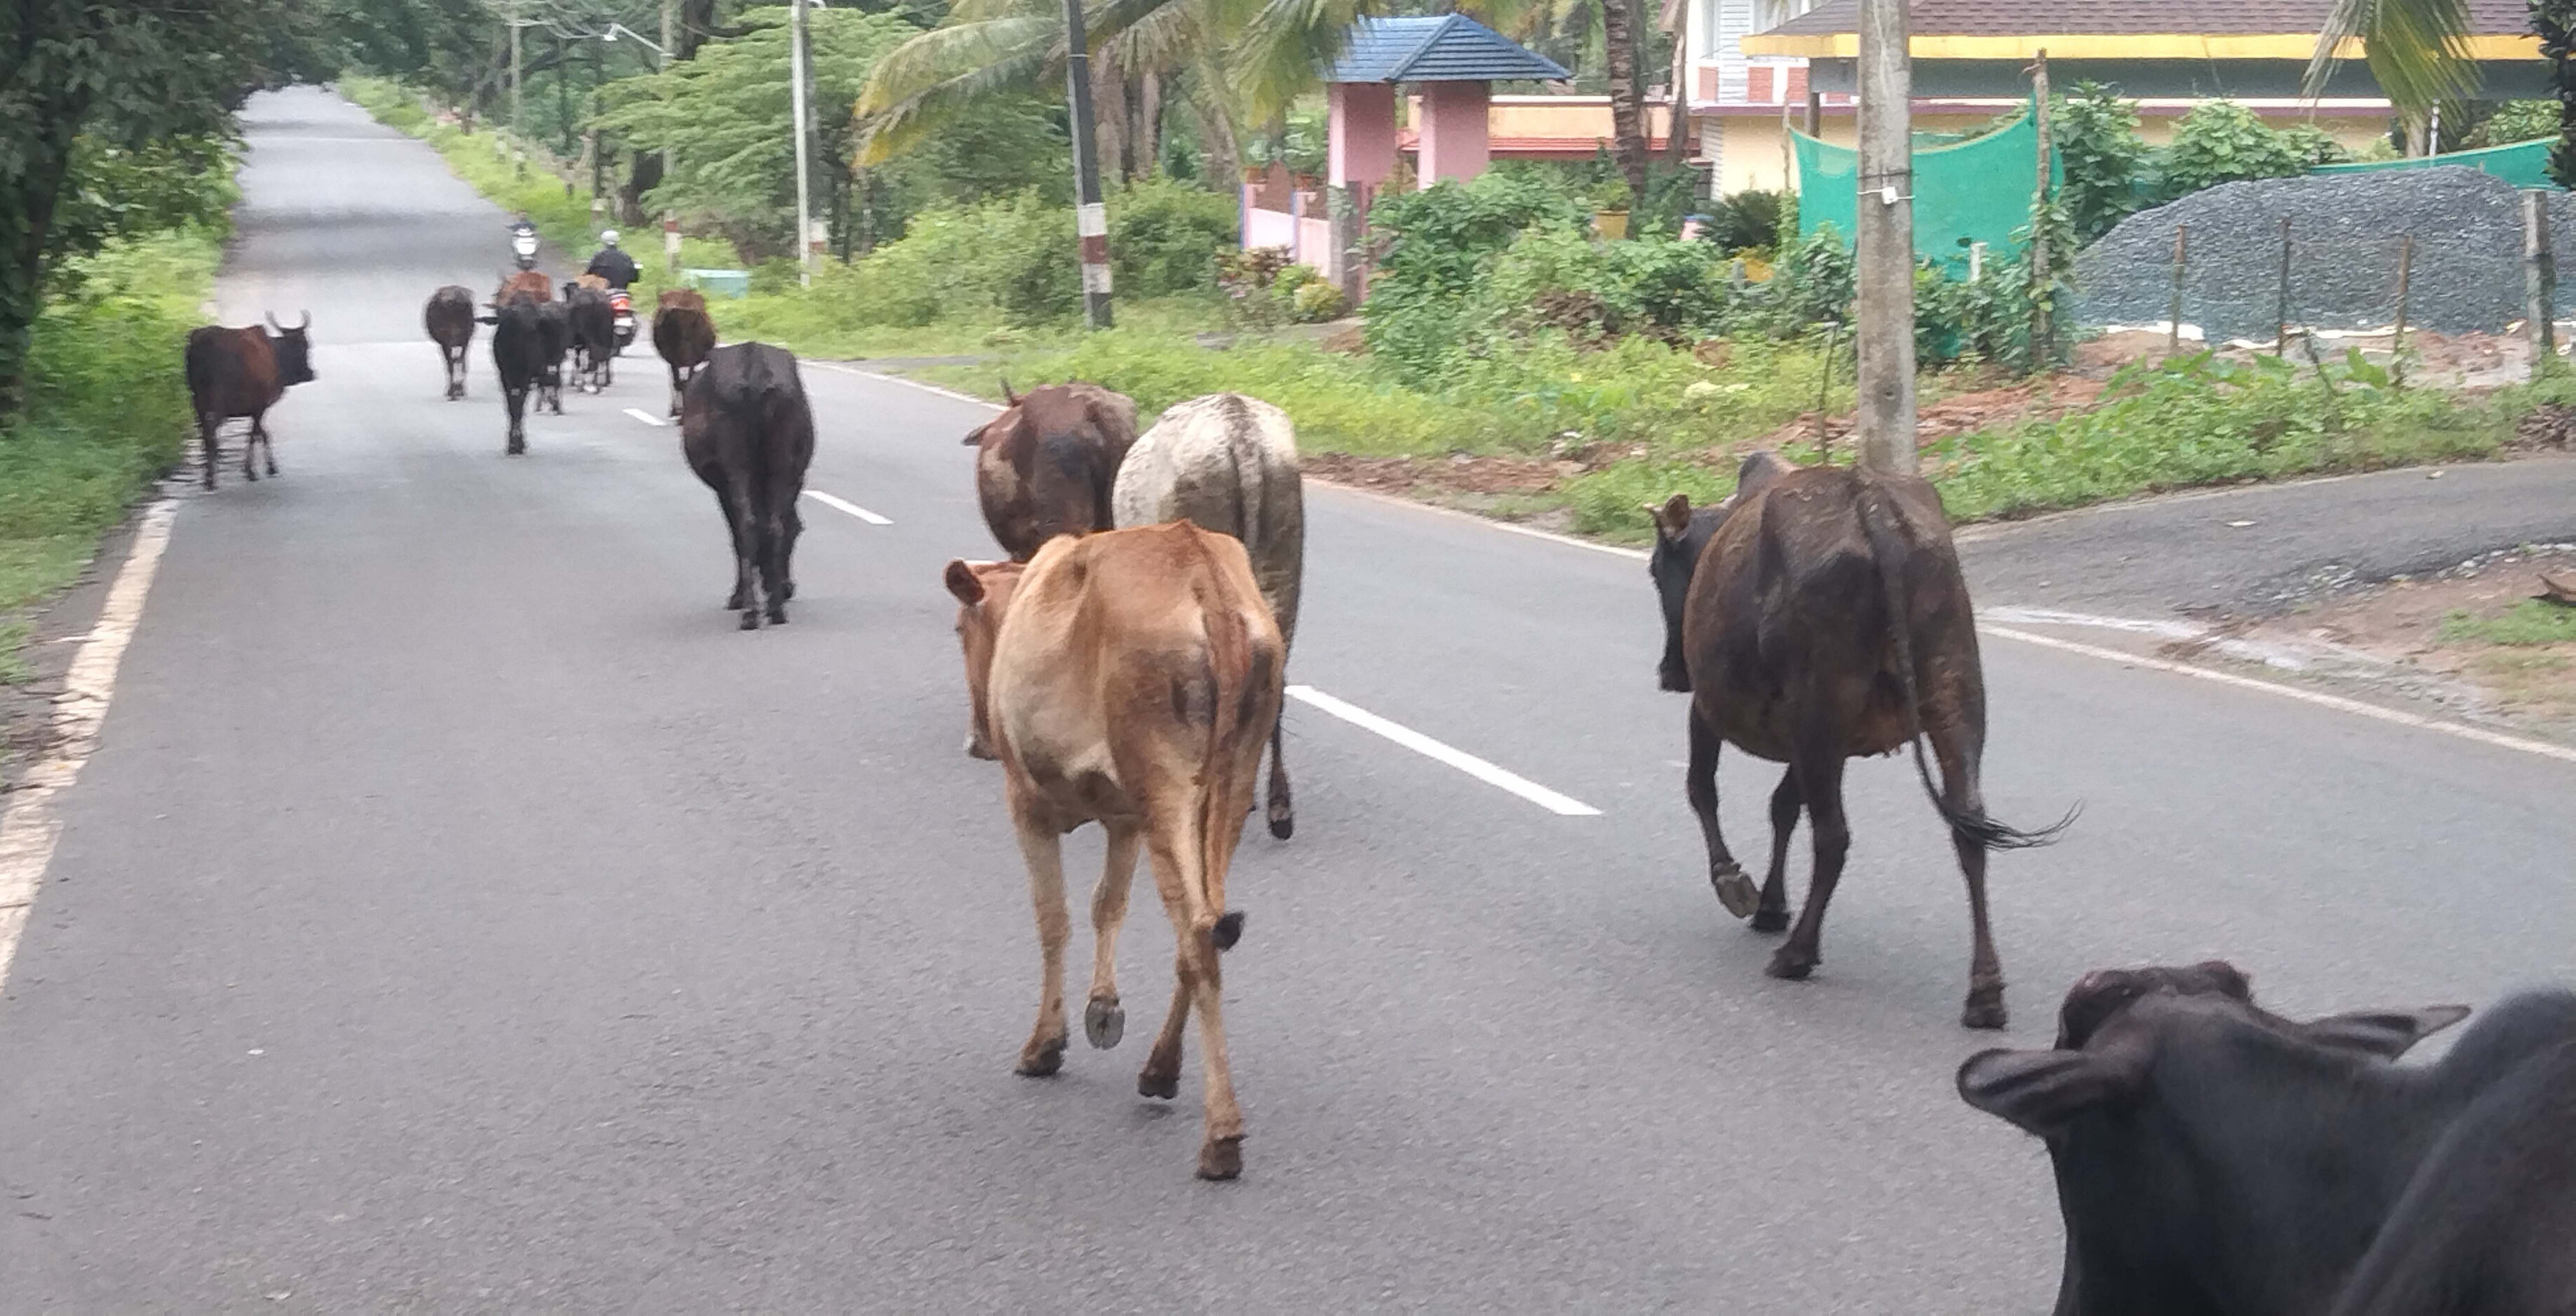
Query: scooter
[[523, 244], [622, 307]]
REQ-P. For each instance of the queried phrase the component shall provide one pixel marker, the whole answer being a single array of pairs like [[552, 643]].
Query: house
[[1759, 66]]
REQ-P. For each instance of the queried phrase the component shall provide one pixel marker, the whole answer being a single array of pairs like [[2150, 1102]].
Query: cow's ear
[[964, 583], [2387, 1034], [2042, 1091], [975, 436], [1672, 518]]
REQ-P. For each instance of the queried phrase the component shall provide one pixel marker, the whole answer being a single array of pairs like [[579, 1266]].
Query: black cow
[[450, 317], [747, 432], [2215, 1159], [242, 373], [519, 358], [554, 337], [1822, 617], [594, 336]]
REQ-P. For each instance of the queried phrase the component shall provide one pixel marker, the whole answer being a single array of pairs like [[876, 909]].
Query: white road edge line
[[949, 393], [30, 826], [846, 505], [2336, 702], [645, 416], [1419, 743]]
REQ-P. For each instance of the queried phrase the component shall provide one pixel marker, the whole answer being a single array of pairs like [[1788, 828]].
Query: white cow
[[1228, 463]]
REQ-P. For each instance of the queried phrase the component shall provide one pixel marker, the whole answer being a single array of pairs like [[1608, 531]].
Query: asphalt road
[[460, 915]]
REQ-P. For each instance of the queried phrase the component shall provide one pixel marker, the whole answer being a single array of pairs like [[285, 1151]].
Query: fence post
[[1824, 385], [2173, 304], [2041, 284], [2281, 308], [2540, 278], [2397, 341]]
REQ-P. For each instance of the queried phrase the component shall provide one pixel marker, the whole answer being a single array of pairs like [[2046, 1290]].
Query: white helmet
[[609, 238]]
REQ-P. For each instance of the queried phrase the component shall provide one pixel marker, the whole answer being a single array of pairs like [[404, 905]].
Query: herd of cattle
[[1125, 662]]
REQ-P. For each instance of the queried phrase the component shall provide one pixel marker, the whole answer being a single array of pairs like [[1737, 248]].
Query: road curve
[[459, 914]]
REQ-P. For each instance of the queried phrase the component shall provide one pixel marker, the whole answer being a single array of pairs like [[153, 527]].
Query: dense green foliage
[[2223, 142], [2096, 136], [107, 407]]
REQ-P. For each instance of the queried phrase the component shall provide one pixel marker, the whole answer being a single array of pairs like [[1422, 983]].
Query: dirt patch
[[2044, 397], [1456, 473], [2403, 622]]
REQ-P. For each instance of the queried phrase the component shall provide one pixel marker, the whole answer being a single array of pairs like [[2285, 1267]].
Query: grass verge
[[2530, 622], [107, 413]]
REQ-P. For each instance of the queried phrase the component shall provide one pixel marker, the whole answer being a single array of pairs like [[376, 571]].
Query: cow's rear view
[[748, 432]]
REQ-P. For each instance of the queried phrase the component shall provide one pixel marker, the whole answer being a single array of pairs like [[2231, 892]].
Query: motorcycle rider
[[612, 264]]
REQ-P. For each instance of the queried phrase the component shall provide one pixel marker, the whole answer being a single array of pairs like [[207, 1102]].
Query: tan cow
[[1129, 678]]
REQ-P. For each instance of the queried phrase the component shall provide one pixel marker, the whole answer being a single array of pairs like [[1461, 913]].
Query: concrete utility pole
[[670, 22], [796, 74], [1090, 218], [1884, 261]]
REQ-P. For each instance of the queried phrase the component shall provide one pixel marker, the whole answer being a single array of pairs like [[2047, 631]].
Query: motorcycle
[[523, 244], [622, 308]]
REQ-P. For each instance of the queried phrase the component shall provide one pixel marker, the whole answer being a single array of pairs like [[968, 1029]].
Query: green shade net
[[2523, 164], [1974, 191]]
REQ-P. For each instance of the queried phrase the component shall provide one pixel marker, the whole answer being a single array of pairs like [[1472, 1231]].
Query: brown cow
[[242, 373], [450, 319], [1129, 678], [526, 284], [1046, 466], [1825, 619], [683, 334]]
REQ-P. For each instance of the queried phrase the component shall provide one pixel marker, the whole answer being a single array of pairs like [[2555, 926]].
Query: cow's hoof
[[250, 475], [1283, 825], [1791, 963], [787, 591], [1735, 890], [736, 602], [1770, 920], [777, 615], [1040, 1059], [977, 749], [1985, 1007], [1104, 1022], [750, 620], [1159, 1083], [516, 449], [1221, 1158]]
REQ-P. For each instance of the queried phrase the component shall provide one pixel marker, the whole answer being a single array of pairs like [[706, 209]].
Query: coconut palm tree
[[2417, 51]]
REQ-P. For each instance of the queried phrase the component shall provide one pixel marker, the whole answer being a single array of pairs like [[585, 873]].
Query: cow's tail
[[1243, 672], [1888, 556]]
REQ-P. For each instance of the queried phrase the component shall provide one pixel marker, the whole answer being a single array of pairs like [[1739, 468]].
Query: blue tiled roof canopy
[[1450, 48]]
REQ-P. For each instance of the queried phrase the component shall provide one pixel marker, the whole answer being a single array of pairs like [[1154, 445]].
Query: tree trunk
[[1677, 141], [1110, 116], [1627, 126], [1149, 127], [1220, 150], [23, 242]]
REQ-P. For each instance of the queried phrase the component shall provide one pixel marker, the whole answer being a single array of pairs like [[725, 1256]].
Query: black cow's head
[[293, 350], [2205, 1153], [1681, 535]]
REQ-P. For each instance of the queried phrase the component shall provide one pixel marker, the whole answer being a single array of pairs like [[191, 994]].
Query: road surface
[[460, 914]]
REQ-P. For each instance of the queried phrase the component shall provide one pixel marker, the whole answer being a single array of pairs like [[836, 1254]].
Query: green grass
[[2532, 621], [107, 413]]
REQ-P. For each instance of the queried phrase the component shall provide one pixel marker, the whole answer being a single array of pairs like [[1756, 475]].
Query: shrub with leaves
[[2223, 142], [1745, 221], [1433, 247], [2095, 132], [1164, 238]]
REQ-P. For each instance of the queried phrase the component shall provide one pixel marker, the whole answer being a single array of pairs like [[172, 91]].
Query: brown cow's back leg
[[1734, 889], [1819, 765], [1199, 990], [1104, 1020], [1041, 846], [206, 427], [267, 445], [1283, 809], [1956, 749], [250, 450], [1786, 801]]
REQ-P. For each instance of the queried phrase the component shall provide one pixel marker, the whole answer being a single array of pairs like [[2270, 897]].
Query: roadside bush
[[1164, 238], [2223, 142], [1433, 246], [1745, 221], [2095, 132]]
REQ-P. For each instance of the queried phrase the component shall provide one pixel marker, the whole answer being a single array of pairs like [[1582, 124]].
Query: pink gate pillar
[[1361, 140], [1453, 130]]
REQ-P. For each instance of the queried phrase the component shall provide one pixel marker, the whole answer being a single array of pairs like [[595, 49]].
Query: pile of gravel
[[2344, 233]]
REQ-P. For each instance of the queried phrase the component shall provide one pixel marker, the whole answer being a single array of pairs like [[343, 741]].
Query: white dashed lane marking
[[1463, 761], [846, 505]]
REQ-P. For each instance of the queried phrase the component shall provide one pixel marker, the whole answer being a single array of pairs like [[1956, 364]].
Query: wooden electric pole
[[514, 69], [1090, 218], [1884, 260]]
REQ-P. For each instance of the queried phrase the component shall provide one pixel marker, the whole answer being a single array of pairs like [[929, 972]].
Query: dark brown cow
[[1048, 464], [1826, 619], [748, 432], [242, 373], [450, 317], [594, 335], [683, 333], [1129, 678]]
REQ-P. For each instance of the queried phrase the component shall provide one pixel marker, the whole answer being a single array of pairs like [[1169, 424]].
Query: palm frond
[[1286, 47], [939, 76], [2417, 50]]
